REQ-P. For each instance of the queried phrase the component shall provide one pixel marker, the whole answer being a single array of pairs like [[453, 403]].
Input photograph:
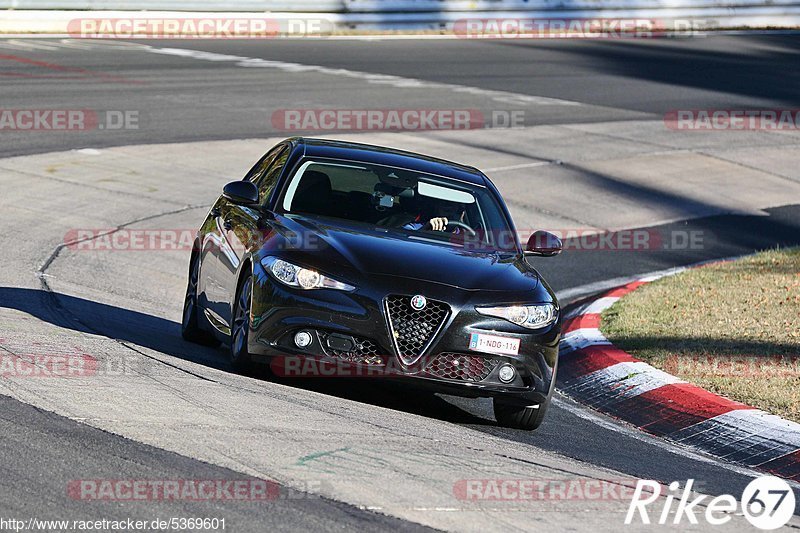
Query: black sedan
[[392, 263]]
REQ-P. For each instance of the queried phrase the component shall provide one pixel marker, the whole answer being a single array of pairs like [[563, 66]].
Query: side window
[[269, 178], [261, 167]]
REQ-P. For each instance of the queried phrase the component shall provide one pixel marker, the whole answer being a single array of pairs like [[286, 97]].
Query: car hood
[[342, 249]]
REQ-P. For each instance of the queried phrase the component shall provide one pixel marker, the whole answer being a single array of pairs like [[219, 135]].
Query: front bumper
[[351, 337]]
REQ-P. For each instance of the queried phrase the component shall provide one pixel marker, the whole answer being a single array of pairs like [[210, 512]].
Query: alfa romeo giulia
[[373, 258]]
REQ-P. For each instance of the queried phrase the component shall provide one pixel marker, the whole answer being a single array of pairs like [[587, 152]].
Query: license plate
[[494, 344]]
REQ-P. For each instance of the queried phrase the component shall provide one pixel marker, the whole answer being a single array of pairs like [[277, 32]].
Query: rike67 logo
[[767, 502]]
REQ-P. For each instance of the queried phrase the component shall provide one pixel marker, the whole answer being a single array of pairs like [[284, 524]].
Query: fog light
[[302, 339], [506, 373]]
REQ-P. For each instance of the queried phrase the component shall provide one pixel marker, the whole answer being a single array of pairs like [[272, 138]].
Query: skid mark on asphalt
[[104, 190], [304, 461], [41, 273], [707, 153], [82, 72], [361, 461], [54, 254]]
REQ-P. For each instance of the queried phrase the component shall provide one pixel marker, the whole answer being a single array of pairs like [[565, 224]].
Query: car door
[[218, 254], [240, 227]]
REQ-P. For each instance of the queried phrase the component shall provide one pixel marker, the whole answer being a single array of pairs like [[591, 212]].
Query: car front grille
[[413, 330], [365, 351], [460, 367]]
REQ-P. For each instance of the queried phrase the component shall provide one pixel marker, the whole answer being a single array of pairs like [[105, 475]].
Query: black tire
[[190, 328], [519, 417], [240, 357]]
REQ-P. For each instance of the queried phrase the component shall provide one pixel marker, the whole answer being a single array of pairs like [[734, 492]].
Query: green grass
[[732, 328]]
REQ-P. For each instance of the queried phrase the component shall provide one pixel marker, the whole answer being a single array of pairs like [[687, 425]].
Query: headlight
[[527, 316], [301, 278]]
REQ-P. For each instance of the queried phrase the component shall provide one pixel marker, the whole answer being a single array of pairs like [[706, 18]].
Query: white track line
[[517, 167], [368, 77], [601, 286]]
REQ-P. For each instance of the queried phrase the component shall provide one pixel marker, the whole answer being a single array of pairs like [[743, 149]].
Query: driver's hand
[[438, 223]]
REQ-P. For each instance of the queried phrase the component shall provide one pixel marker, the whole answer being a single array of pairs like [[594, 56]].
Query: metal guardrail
[[395, 6]]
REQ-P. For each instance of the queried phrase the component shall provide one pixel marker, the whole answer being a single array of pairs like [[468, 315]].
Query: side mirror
[[241, 192], [543, 244]]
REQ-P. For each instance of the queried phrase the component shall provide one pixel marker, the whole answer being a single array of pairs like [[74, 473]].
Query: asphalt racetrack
[[590, 152]]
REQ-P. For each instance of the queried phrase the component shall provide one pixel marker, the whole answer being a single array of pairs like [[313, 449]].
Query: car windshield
[[406, 201]]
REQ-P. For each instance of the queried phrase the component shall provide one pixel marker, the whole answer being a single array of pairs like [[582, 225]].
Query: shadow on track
[[670, 245], [722, 236], [754, 66], [162, 335]]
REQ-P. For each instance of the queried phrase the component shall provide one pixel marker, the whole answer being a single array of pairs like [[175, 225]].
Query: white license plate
[[494, 344]]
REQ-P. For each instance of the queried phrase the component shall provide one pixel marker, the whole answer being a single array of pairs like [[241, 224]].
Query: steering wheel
[[459, 224]]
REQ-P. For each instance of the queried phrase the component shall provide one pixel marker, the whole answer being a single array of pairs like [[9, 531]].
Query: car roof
[[382, 155]]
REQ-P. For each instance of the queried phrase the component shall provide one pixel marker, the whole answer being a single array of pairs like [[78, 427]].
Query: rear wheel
[[190, 328], [240, 330], [519, 417]]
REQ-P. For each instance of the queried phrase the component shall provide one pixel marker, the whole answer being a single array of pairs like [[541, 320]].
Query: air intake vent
[[362, 351], [461, 367]]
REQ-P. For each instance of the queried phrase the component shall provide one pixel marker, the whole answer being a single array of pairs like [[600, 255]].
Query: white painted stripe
[[596, 306], [745, 436], [601, 304], [28, 46], [520, 166], [764, 424], [35, 45], [368, 77], [662, 274], [610, 424], [603, 286], [591, 288], [578, 339], [625, 380]]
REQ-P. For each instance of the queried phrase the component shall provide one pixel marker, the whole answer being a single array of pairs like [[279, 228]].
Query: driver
[[446, 212]]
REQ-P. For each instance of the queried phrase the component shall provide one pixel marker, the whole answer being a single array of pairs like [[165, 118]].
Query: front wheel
[[240, 356], [519, 417], [190, 327]]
